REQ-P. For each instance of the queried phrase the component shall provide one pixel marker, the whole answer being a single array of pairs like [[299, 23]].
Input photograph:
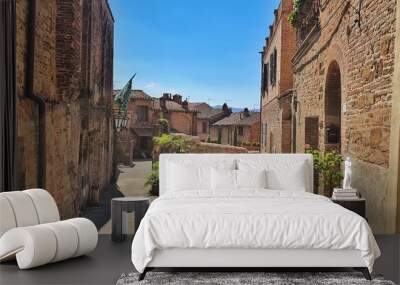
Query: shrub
[[172, 144], [165, 143], [152, 179], [294, 14], [164, 124], [328, 167]]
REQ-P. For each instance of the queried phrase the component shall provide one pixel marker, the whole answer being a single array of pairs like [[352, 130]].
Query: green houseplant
[[152, 180], [327, 167]]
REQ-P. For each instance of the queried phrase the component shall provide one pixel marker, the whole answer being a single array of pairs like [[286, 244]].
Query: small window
[[142, 113], [266, 77], [204, 127], [265, 133], [240, 131], [275, 64], [271, 67]]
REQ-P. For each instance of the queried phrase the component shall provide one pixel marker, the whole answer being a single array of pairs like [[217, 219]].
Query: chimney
[[225, 108], [166, 96], [185, 105], [246, 112], [177, 98]]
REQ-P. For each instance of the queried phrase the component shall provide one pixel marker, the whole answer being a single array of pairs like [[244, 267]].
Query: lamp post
[[120, 120]]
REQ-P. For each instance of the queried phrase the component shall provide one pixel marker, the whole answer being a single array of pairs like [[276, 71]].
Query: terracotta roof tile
[[205, 110], [239, 119]]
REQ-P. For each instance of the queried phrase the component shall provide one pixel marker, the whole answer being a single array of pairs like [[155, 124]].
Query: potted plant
[[327, 167]]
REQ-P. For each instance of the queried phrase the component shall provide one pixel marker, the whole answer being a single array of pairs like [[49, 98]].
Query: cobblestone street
[[131, 183]]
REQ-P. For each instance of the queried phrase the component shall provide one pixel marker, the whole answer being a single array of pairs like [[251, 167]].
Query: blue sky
[[207, 50]]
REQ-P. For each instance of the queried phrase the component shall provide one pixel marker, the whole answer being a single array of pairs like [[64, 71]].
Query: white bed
[[241, 227]]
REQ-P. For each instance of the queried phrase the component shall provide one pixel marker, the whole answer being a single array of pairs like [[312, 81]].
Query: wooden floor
[[110, 260]]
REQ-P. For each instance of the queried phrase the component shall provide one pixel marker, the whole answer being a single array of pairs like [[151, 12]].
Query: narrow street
[[131, 183]]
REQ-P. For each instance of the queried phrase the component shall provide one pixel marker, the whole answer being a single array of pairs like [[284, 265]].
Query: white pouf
[[31, 232]]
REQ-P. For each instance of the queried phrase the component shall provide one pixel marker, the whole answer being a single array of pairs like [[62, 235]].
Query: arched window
[[333, 107]]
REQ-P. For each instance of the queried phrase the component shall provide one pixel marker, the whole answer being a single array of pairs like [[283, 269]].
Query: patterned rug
[[269, 278]]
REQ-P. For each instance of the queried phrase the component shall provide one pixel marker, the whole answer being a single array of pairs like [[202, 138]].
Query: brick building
[[137, 140], [344, 77], [237, 129], [64, 56], [207, 116], [181, 118], [277, 83], [144, 112]]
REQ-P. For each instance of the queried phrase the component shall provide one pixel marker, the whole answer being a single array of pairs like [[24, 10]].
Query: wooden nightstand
[[355, 205]]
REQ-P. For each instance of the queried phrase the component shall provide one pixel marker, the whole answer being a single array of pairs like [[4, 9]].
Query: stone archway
[[333, 110]]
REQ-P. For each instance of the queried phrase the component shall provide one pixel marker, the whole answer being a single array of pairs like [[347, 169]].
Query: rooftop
[[205, 110], [239, 119]]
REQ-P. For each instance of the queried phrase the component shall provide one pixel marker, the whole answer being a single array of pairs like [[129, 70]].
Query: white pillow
[[293, 178], [223, 179], [183, 177], [194, 176], [251, 179], [287, 174]]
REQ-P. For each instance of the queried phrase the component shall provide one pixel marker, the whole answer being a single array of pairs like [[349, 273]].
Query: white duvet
[[250, 219]]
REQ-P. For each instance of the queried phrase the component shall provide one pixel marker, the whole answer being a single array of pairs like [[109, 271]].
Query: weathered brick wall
[[26, 109], [282, 37], [255, 131], [271, 115], [394, 174], [200, 134], [73, 75], [365, 58], [182, 122], [250, 134], [204, 147], [287, 47], [127, 140]]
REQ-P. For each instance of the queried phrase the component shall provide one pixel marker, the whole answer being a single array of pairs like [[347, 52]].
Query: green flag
[[122, 98]]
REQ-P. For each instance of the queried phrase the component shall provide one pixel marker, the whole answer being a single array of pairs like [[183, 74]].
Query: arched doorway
[[333, 101]]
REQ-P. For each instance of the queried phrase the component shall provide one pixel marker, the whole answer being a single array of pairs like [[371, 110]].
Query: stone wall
[[183, 122], [394, 162], [282, 38], [72, 76], [364, 57], [271, 116], [203, 147], [200, 134], [254, 132]]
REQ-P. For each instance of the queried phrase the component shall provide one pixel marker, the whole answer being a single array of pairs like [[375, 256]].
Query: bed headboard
[[201, 159]]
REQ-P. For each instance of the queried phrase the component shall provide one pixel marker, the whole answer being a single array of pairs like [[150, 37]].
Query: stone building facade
[[181, 118], [144, 113], [394, 158], [64, 106], [344, 76], [207, 116], [277, 83], [238, 129], [137, 140]]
